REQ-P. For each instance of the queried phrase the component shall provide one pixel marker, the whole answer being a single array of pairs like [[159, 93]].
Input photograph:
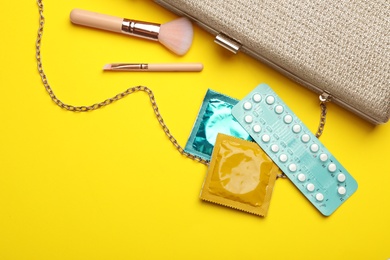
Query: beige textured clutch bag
[[341, 48]]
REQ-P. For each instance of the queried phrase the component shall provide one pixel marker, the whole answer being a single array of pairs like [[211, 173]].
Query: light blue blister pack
[[297, 152]]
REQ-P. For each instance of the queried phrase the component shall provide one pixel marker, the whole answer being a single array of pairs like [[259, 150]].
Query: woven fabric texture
[[342, 47]]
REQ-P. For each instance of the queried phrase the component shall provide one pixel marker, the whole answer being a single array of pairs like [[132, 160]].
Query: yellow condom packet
[[240, 176]]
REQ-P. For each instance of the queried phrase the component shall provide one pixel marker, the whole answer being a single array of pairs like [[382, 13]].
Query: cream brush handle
[[175, 67], [96, 20], [141, 29]]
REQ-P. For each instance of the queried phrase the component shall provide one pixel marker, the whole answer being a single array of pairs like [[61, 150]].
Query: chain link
[[324, 98], [107, 101]]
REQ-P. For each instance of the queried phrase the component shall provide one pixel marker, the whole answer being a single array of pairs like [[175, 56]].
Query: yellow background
[[108, 184]]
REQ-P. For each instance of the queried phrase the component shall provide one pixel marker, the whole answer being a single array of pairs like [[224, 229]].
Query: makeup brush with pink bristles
[[175, 35]]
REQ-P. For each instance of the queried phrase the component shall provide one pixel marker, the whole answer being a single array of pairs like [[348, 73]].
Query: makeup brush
[[171, 67], [175, 35]]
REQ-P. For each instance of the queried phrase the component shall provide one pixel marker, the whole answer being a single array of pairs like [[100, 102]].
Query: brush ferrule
[[129, 66], [141, 29]]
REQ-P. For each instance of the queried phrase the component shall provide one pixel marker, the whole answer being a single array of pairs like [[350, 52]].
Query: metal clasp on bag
[[228, 43]]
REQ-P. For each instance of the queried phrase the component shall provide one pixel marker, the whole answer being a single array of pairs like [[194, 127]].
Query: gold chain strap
[[107, 101], [324, 98]]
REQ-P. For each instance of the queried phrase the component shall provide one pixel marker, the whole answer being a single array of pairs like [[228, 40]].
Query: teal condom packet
[[214, 117]]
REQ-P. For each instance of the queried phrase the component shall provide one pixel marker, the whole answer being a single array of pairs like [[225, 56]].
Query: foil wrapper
[[214, 117]]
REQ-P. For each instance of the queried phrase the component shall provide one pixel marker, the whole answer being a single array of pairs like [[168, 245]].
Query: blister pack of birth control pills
[[299, 154]]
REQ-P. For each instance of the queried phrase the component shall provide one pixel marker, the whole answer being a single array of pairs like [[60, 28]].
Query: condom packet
[[240, 176], [214, 117]]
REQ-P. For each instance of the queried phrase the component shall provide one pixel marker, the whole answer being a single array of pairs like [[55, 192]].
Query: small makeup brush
[[175, 35], [154, 67]]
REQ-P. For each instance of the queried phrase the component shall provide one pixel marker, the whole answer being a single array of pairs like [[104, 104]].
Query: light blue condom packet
[[214, 117]]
